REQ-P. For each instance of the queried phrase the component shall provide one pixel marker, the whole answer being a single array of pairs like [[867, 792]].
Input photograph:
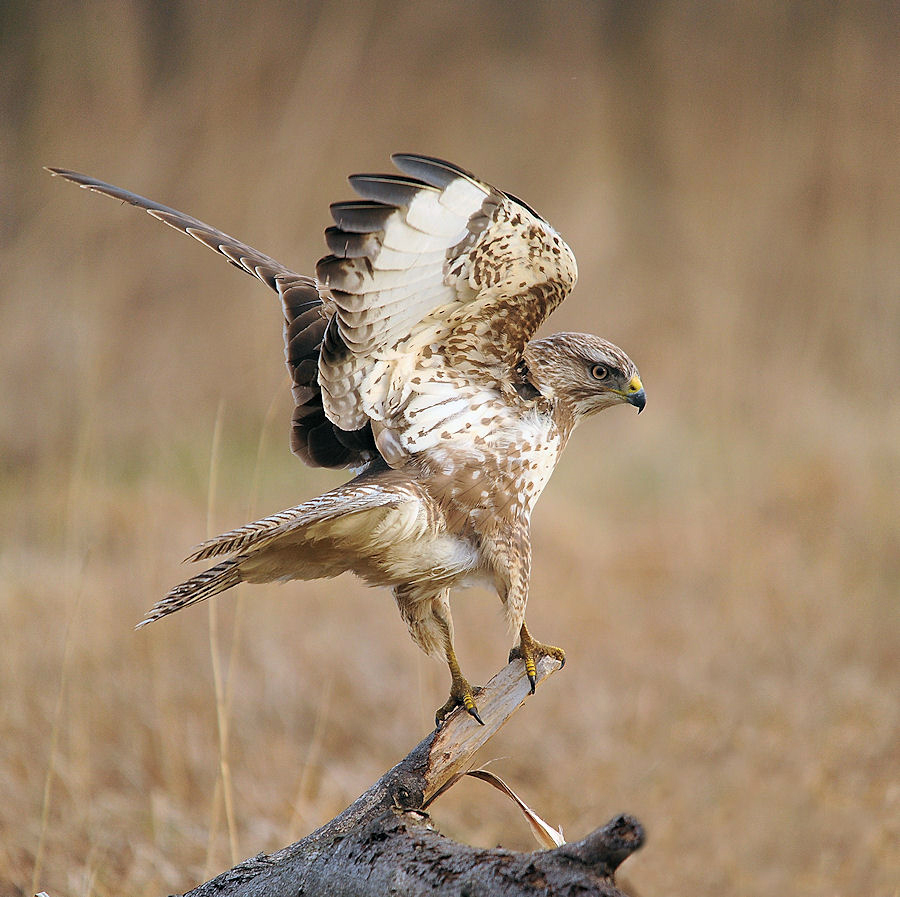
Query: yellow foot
[[461, 695], [531, 652]]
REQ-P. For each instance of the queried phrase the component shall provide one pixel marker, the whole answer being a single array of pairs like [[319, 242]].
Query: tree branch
[[383, 842]]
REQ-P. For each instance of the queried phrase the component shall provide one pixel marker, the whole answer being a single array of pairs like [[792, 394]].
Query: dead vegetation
[[723, 572]]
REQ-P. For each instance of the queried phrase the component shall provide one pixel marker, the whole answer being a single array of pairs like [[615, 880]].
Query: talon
[[471, 709], [461, 695], [442, 713], [531, 651], [531, 673]]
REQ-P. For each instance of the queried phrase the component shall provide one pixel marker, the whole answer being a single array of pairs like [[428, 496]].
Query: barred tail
[[204, 585]]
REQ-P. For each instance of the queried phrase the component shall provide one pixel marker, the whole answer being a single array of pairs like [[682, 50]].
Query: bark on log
[[383, 843]]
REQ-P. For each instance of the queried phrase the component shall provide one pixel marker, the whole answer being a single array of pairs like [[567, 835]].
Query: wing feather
[[361, 494], [313, 437], [360, 217], [453, 279], [434, 285]]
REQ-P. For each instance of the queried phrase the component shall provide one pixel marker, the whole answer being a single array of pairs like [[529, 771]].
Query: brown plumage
[[412, 362]]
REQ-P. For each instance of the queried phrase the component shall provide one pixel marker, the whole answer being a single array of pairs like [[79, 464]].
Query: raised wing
[[435, 285], [313, 437], [439, 281]]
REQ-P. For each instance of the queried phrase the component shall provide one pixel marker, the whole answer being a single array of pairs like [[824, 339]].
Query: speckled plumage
[[412, 362]]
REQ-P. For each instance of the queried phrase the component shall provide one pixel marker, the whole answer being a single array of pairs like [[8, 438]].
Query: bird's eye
[[599, 372]]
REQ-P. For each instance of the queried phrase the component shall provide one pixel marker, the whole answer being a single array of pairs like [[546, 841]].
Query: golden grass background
[[723, 571]]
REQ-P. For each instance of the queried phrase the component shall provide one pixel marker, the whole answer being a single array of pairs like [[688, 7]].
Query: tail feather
[[204, 585]]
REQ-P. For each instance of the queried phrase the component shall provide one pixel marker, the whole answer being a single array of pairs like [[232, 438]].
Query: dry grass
[[723, 571]]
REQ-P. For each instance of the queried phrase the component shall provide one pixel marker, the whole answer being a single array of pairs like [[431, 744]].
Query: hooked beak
[[638, 399], [635, 394]]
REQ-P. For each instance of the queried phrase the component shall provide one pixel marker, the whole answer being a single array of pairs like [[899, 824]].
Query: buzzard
[[413, 365]]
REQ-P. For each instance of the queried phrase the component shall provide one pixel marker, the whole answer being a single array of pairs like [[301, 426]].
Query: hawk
[[413, 364]]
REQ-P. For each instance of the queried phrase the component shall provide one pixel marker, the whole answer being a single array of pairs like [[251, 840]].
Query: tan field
[[723, 571]]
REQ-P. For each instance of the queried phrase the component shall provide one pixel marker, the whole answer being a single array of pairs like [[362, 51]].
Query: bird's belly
[[440, 558]]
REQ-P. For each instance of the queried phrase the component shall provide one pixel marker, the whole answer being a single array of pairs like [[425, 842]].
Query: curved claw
[[531, 651], [461, 695], [530, 666]]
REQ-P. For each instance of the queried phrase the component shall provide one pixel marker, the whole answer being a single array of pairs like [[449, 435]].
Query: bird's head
[[584, 373]]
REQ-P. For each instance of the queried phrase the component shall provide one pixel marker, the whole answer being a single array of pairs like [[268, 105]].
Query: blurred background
[[723, 571]]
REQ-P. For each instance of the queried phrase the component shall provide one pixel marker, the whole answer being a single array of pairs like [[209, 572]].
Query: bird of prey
[[413, 364]]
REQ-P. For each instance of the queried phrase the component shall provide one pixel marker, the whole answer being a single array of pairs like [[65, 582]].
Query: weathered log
[[383, 843]]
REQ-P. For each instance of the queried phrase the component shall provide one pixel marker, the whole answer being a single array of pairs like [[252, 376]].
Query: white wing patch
[[438, 281]]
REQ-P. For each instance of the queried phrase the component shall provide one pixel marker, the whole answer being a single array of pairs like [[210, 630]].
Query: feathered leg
[[461, 694], [509, 551], [427, 616]]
